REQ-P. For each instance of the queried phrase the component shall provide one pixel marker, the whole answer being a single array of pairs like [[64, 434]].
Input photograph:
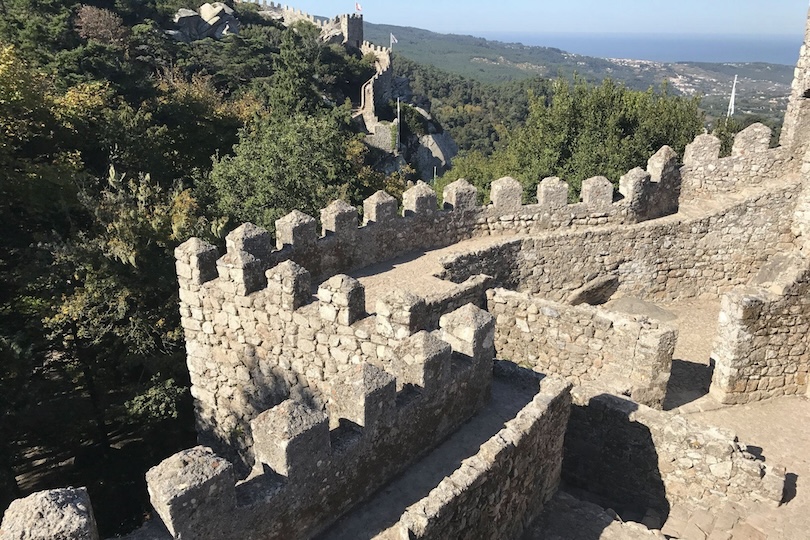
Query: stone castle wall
[[628, 354], [761, 350], [348, 27], [519, 468], [311, 465], [797, 118], [663, 260], [633, 457], [256, 337], [340, 245], [751, 163], [377, 92], [321, 404]]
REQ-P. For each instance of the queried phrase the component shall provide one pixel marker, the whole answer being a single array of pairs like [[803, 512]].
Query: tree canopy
[[582, 131]]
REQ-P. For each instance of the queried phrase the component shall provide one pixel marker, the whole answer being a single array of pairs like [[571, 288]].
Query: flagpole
[[399, 124]]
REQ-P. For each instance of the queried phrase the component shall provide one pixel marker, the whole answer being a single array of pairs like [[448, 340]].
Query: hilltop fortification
[[322, 370]]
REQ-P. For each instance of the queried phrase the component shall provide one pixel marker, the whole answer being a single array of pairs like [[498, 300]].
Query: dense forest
[[119, 143]]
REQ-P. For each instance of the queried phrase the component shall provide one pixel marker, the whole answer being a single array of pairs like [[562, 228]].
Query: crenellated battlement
[[312, 393], [339, 243], [348, 27], [373, 419], [270, 338], [752, 162], [377, 91]]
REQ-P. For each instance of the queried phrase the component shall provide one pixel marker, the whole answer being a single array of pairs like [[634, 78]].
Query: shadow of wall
[[613, 458]]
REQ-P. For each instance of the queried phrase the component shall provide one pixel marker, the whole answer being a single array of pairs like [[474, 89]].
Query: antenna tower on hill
[[733, 99]]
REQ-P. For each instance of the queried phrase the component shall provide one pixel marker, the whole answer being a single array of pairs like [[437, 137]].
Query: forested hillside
[[762, 91], [119, 143]]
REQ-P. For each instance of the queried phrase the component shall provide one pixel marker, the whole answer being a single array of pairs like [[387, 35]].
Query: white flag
[[358, 7], [393, 39]]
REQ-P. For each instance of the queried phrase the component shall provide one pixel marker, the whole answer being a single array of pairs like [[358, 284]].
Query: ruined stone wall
[[377, 91], [635, 458], [255, 338], [287, 14], [500, 490], [311, 465], [668, 259], [341, 246], [761, 346], [797, 117], [626, 354], [751, 163], [344, 29]]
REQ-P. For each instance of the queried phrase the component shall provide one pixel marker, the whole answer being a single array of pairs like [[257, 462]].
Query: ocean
[[666, 48]]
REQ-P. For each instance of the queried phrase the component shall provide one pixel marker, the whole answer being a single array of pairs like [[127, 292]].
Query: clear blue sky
[[763, 17]]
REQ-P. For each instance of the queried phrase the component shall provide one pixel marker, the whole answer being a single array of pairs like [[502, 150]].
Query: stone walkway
[[778, 426], [375, 517], [415, 272]]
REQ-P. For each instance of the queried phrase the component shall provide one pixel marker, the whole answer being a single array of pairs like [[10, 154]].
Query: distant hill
[[763, 88]]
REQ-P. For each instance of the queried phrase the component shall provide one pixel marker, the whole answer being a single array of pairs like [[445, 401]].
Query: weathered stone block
[[663, 165], [291, 439], [506, 193], [635, 187], [400, 314], [705, 149], [423, 360], [339, 218], [365, 395], [297, 230], [346, 295], [754, 139], [470, 331], [597, 193], [197, 260], [460, 195], [380, 208], [291, 283], [250, 239], [243, 270], [48, 515], [420, 199], [191, 491], [552, 193]]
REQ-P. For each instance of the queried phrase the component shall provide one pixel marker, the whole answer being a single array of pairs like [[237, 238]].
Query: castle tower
[[797, 118], [352, 28]]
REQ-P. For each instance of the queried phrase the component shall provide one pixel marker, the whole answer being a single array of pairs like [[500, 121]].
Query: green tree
[[117, 307], [293, 90], [283, 163], [583, 131]]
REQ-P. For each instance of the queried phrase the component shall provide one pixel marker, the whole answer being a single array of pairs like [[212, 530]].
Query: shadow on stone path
[[385, 507]]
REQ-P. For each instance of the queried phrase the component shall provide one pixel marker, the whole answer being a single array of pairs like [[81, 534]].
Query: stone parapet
[[761, 347], [751, 163], [306, 475], [693, 255], [519, 468], [624, 354], [47, 515], [666, 460]]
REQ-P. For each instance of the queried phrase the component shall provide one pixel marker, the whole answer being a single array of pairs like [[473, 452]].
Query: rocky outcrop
[[210, 21]]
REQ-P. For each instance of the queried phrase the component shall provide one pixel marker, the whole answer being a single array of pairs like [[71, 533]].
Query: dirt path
[[691, 367]]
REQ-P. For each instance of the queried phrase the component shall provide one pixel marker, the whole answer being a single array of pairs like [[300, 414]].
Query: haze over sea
[[774, 49]]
